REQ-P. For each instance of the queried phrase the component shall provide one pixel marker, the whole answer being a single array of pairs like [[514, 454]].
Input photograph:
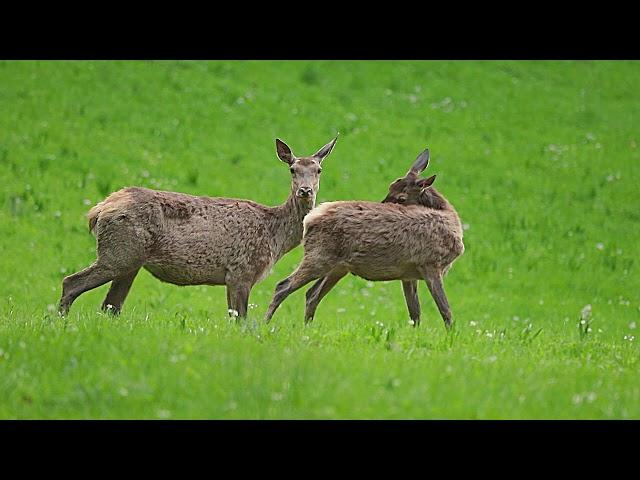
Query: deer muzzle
[[304, 192]]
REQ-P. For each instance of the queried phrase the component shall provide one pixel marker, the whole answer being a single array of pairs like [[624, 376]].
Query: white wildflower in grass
[[277, 396], [630, 338], [632, 325], [123, 392], [580, 398], [341, 310], [472, 323], [162, 413], [51, 308], [584, 325], [466, 226], [252, 306], [177, 358], [600, 246], [412, 323]]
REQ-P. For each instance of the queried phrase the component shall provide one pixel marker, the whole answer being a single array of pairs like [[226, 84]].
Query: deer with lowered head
[[414, 234], [195, 240]]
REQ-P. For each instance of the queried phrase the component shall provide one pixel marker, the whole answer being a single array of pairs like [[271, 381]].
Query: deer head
[[410, 189], [305, 171]]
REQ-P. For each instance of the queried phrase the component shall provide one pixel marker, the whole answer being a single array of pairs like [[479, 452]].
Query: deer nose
[[305, 191]]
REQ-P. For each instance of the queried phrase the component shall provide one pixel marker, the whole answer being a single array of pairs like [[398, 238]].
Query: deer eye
[[292, 170], [319, 170]]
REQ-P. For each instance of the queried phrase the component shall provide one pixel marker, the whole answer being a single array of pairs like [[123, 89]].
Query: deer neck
[[433, 199], [286, 224]]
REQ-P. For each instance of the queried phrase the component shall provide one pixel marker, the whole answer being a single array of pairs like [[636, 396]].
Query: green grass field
[[540, 159]]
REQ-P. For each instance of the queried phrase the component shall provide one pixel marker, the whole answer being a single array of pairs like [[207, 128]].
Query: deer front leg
[[305, 273], [319, 289], [410, 289]]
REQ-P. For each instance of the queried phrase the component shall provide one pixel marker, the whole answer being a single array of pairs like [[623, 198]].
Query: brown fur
[[380, 241], [193, 240]]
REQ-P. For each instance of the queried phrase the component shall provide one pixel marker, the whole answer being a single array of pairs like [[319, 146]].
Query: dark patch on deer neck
[[433, 199], [286, 224]]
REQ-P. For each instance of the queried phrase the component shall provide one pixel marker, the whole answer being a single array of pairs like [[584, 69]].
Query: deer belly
[[178, 275], [381, 272]]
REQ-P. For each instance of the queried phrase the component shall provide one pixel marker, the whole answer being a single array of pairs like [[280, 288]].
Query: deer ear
[[426, 182], [284, 152], [326, 150], [420, 163]]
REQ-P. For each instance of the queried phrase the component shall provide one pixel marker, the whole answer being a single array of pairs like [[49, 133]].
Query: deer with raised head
[[195, 240], [414, 234]]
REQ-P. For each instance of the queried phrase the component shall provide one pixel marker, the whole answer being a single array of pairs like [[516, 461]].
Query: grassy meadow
[[540, 159]]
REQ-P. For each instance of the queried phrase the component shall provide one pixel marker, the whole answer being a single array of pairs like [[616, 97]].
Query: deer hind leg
[[410, 289], [306, 272], [120, 252], [75, 285], [319, 289], [434, 282], [118, 292]]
